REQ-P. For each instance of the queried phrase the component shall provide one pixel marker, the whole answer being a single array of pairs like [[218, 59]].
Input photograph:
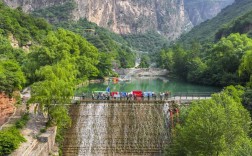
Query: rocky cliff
[[6, 107], [168, 17], [201, 10]]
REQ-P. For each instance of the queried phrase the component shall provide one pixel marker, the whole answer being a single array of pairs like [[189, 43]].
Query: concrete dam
[[119, 129]]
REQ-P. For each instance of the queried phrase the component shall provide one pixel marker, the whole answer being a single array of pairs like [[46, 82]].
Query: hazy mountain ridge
[[202, 10], [208, 30]]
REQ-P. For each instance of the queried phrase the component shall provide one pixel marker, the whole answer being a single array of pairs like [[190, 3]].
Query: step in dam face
[[119, 129]]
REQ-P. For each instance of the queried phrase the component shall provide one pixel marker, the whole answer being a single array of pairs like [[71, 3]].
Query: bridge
[[182, 97]]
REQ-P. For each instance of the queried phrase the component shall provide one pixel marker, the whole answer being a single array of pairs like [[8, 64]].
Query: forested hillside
[[106, 41], [213, 53], [242, 25], [121, 48], [52, 62], [207, 30]]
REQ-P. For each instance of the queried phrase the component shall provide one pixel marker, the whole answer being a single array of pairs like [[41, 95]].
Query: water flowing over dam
[[120, 129]]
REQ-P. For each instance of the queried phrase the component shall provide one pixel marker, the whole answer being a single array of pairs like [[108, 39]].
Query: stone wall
[[42, 146], [7, 107], [46, 142]]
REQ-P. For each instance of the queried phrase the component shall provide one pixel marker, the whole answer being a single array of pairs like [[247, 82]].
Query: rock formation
[[201, 10], [6, 107], [170, 18]]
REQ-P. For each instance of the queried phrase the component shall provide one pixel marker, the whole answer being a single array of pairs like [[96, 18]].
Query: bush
[[42, 130], [23, 121], [10, 139]]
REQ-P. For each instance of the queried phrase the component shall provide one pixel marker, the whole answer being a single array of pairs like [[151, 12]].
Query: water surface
[[154, 84]]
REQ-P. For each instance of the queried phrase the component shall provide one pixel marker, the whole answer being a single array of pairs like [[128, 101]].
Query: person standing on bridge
[[92, 96], [161, 96], [166, 96], [127, 96], [154, 95], [83, 96]]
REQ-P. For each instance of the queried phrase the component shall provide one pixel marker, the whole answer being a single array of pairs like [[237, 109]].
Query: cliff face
[[6, 107], [30, 5], [170, 18], [136, 16]]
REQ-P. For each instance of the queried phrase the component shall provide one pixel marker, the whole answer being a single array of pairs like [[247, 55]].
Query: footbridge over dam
[[179, 97], [122, 127]]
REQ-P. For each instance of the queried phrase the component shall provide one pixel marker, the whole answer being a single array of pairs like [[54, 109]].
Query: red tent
[[114, 93], [137, 93]]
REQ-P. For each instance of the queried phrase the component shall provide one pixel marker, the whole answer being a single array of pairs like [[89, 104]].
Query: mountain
[[169, 18], [208, 30], [202, 10]]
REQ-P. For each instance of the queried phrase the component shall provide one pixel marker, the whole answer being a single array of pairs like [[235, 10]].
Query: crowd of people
[[129, 96]]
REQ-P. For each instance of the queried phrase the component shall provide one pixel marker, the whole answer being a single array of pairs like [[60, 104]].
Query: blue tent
[[108, 89]]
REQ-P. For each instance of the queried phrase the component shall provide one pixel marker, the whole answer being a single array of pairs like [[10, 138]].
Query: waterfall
[[91, 128], [119, 129]]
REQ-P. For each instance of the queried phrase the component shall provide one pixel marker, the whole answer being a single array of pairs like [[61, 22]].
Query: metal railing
[[192, 95], [157, 97]]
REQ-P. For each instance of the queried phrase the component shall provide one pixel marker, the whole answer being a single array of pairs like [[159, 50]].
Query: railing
[[192, 95], [162, 97]]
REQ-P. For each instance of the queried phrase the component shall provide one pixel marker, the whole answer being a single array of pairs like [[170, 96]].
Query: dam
[[119, 129]]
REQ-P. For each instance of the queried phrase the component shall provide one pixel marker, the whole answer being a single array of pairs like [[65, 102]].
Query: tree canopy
[[11, 76], [246, 66], [218, 126], [213, 64]]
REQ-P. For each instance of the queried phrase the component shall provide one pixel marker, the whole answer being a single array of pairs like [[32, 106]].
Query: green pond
[[154, 84]]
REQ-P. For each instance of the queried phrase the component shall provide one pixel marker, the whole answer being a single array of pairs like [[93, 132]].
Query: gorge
[[61, 58]]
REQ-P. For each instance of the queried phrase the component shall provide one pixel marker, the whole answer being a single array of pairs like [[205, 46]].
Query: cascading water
[[119, 129]]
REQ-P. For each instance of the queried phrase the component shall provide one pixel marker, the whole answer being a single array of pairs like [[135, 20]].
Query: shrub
[[42, 130], [23, 121], [10, 139]]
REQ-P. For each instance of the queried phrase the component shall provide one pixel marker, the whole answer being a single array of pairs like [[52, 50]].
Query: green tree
[[11, 76], [56, 85], [105, 65], [60, 45], [180, 61], [166, 60], [246, 66], [225, 59], [196, 70], [145, 61], [126, 58], [105, 41], [218, 126]]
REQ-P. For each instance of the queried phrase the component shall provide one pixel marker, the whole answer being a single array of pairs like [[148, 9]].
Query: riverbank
[[142, 72]]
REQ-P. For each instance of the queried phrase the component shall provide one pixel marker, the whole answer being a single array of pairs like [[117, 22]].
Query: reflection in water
[[121, 129]]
